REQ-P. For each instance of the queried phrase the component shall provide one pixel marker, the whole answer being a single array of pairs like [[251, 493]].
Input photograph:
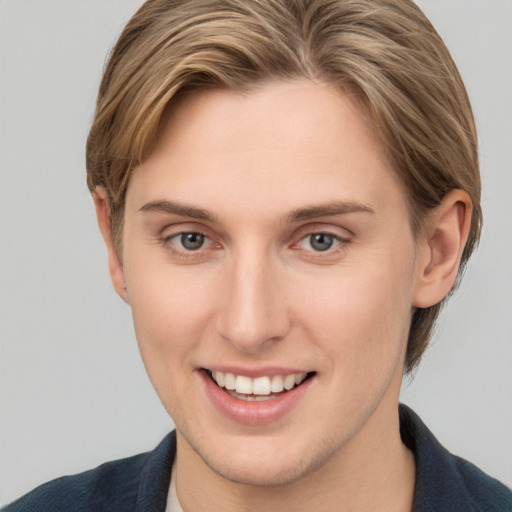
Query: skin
[[257, 294]]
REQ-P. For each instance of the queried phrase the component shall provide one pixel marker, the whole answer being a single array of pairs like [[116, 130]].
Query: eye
[[190, 241], [189, 246], [320, 242]]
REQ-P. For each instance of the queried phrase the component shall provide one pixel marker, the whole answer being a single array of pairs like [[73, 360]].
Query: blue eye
[[321, 241], [190, 246], [191, 241]]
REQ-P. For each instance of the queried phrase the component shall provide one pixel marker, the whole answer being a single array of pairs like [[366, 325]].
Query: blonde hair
[[384, 52]]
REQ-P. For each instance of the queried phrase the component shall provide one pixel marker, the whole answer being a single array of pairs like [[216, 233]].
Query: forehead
[[279, 143]]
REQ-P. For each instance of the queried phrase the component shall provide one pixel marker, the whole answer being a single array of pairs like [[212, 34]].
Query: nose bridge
[[254, 311]]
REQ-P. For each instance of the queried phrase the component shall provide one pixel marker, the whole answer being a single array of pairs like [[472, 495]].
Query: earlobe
[[102, 206], [440, 249]]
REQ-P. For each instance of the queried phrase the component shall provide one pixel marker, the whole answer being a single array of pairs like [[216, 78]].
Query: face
[[267, 248]]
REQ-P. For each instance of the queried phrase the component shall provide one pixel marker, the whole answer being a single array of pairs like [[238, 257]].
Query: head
[[287, 190], [384, 55]]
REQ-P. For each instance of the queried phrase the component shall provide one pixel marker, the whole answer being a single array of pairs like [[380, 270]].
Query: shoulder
[[445, 481], [114, 486]]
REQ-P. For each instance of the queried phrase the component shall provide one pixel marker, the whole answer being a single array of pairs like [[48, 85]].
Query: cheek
[[170, 314], [362, 314], [170, 307]]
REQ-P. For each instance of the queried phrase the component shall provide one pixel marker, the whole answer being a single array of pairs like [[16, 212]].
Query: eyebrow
[[310, 212], [172, 207], [326, 210]]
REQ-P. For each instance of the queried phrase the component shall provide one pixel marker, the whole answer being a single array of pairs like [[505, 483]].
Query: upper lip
[[267, 371]]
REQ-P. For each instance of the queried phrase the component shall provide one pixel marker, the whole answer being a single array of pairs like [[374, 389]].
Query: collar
[[444, 482]]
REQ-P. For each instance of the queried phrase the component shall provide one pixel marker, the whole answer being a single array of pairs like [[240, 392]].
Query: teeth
[[243, 385], [299, 377], [262, 386], [277, 385], [229, 381], [289, 382], [219, 378]]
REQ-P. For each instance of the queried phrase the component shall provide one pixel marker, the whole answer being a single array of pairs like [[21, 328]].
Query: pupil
[[321, 242], [192, 241]]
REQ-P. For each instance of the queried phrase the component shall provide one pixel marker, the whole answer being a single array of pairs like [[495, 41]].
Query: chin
[[257, 474], [268, 465]]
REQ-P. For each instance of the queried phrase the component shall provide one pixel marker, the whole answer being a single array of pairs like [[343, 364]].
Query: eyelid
[[183, 226], [177, 233], [341, 235], [169, 232], [180, 234], [338, 232], [338, 241]]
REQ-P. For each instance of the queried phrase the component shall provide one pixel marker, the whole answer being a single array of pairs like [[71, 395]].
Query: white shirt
[[173, 503]]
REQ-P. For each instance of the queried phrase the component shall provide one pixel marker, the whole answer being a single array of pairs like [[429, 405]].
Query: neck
[[373, 472]]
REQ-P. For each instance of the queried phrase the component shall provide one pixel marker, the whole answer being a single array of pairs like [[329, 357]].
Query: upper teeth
[[259, 385]]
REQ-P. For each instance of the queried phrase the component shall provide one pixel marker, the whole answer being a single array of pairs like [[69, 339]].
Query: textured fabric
[[444, 483], [135, 484]]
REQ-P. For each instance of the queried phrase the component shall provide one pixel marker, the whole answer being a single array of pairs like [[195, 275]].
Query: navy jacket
[[444, 482]]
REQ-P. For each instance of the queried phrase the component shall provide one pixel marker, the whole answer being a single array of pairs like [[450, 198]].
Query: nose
[[254, 311]]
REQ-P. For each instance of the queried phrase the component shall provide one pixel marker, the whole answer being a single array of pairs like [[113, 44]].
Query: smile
[[257, 389], [257, 400]]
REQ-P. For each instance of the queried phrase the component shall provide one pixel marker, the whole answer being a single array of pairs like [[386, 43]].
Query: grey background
[[73, 392]]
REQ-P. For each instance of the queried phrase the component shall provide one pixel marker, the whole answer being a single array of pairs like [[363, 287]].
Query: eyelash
[[183, 253], [338, 240]]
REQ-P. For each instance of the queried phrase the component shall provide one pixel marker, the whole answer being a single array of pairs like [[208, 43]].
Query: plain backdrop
[[73, 391]]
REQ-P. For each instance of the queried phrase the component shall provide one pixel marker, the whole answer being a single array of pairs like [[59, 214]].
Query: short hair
[[384, 53]]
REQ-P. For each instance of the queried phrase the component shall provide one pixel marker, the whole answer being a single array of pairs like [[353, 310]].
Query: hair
[[385, 53]]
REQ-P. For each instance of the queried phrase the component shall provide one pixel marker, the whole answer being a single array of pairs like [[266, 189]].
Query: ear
[[102, 206], [440, 248]]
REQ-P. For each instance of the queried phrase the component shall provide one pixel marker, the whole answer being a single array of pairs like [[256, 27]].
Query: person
[[288, 193]]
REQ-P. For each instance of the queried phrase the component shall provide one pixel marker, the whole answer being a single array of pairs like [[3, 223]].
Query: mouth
[[257, 389]]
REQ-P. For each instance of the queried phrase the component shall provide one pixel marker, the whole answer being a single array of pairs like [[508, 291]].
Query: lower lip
[[254, 413]]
